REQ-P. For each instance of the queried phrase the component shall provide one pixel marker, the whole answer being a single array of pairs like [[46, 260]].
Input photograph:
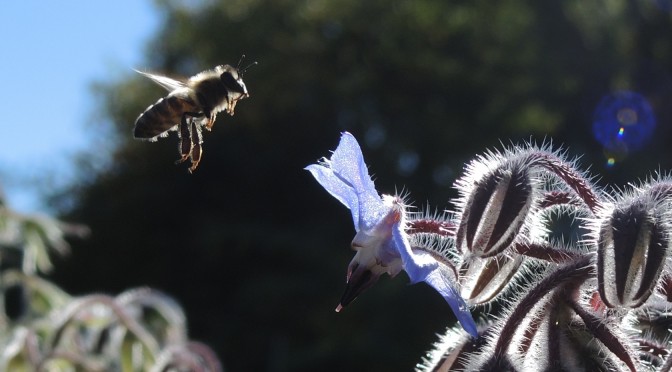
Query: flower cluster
[[596, 298]]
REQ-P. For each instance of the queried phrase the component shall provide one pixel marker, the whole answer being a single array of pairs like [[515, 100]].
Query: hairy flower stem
[[571, 177], [533, 328], [546, 252], [557, 316], [553, 198], [667, 366], [597, 328], [652, 349], [575, 272], [432, 226]]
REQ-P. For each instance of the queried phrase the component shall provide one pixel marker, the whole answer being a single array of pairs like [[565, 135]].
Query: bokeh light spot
[[623, 122], [626, 116], [375, 136], [407, 163], [443, 175], [615, 154]]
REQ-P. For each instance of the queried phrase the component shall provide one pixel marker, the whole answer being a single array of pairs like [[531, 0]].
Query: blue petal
[[421, 266], [346, 177], [417, 265], [441, 282], [348, 163]]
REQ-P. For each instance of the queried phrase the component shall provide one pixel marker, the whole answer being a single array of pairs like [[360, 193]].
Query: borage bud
[[452, 352], [495, 210], [631, 252], [482, 279]]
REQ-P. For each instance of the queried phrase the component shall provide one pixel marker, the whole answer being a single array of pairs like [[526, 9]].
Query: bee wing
[[164, 81]]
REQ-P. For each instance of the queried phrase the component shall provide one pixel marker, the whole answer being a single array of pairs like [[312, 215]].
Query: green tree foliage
[[254, 250]]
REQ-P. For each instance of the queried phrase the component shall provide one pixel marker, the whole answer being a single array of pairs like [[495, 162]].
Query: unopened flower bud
[[495, 211], [631, 252], [485, 278]]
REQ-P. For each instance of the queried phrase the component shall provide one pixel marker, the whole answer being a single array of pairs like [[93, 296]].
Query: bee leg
[[211, 120], [196, 148], [185, 139], [231, 106]]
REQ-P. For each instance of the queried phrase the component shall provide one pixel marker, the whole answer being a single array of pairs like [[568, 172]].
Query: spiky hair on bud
[[481, 279], [451, 352], [632, 236], [652, 334], [495, 280], [493, 208], [552, 326], [434, 232], [501, 191]]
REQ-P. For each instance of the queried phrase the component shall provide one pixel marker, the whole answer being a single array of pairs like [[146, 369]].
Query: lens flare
[[623, 121]]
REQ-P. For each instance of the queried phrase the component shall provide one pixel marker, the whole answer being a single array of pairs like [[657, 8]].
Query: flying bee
[[190, 106]]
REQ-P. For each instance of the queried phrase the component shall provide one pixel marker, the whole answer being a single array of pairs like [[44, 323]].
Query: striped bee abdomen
[[162, 116]]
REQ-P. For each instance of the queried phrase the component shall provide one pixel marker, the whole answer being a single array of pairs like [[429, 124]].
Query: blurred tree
[[251, 246]]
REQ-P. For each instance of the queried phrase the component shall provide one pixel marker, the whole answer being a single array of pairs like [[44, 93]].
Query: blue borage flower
[[381, 240]]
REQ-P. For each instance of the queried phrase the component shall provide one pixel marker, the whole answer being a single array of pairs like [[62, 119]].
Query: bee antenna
[[248, 66], [242, 71], [240, 61]]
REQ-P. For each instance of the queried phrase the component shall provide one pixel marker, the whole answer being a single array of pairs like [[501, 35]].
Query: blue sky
[[49, 56]]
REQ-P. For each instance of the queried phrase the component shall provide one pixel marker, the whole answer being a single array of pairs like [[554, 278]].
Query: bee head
[[232, 77]]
